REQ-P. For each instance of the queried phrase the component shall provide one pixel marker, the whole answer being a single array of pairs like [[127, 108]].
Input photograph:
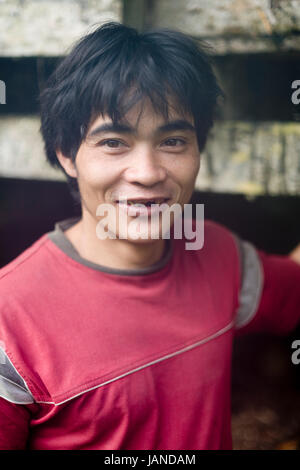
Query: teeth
[[141, 204]]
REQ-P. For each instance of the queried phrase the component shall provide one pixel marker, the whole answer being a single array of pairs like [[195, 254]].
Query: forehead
[[143, 116]]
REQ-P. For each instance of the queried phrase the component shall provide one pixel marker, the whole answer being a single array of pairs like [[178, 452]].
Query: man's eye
[[112, 143], [174, 142]]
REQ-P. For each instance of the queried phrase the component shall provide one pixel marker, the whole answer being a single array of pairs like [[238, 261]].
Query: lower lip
[[134, 211]]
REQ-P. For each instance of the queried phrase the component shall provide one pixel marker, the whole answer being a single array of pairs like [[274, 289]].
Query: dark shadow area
[[270, 222], [28, 210], [24, 78], [257, 86]]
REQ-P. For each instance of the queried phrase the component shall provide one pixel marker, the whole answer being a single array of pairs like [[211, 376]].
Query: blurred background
[[250, 173]]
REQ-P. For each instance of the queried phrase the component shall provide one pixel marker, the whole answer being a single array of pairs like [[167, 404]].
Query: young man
[[121, 342]]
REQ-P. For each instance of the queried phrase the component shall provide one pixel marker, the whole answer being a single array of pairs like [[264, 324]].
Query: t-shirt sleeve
[[15, 403], [269, 297], [14, 425]]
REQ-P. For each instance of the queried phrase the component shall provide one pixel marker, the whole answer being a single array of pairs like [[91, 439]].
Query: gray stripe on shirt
[[13, 388], [251, 283]]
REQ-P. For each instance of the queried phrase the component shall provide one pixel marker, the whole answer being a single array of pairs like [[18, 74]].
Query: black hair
[[113, 68]]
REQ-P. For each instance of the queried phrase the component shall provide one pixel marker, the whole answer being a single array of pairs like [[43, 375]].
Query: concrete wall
[[234, 25], [253, 159], [49, 27]]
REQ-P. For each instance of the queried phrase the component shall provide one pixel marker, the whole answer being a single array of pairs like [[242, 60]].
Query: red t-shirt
[[98, 358]]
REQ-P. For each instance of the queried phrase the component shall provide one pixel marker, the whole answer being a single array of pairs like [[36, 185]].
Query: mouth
[[142, 206]]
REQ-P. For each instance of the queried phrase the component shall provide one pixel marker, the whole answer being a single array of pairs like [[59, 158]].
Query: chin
[[142, 230], [143, 233]]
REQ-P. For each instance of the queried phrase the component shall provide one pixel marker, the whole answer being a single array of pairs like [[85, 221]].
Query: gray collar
[[58, 237]]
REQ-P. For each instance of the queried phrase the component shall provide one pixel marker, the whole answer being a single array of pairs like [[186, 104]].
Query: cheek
[[194, 167], [186, 169], [94, 174]]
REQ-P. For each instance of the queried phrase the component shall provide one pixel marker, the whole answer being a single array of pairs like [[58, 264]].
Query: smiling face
[[142, 159]]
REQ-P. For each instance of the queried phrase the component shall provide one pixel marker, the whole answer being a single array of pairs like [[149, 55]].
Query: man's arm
[[16, 405], [14, 426], [270, 291]]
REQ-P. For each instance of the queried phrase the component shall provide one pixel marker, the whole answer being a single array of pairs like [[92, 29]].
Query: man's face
[[144, 159]]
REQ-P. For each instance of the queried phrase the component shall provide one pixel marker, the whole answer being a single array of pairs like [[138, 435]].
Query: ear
[[67, 164]]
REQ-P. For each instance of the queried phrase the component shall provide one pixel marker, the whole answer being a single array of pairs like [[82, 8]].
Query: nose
[[146, 168]]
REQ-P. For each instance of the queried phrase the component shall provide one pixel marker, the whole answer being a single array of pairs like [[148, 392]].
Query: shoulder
[[221, 250], [218, 233], [26, 299], [25, 280], [209, 238], [209, 248], [23, 267]]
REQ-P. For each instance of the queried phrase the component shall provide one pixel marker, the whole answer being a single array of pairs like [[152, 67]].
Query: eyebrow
[[177, 125]]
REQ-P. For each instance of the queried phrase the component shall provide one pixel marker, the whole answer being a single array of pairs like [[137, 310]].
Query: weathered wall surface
[[220, 17], [21, 150], [251, 158], [234, 25], [49, 27]]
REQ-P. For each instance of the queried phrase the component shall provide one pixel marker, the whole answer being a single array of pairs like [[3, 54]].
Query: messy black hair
[[113, 68]]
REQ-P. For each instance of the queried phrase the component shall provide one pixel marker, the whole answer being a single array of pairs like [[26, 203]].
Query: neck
[[112, 253]]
